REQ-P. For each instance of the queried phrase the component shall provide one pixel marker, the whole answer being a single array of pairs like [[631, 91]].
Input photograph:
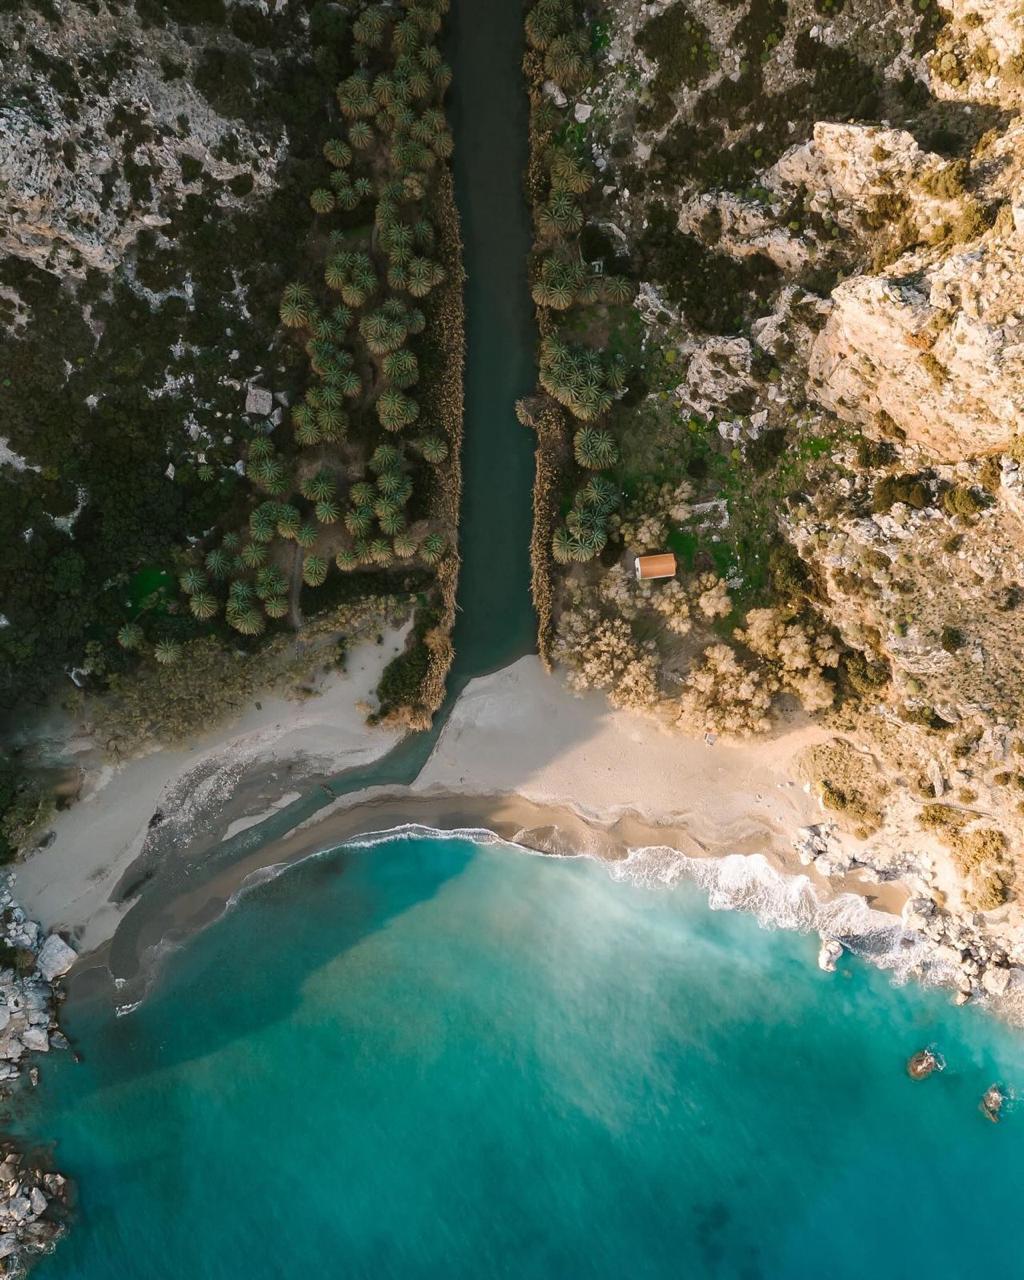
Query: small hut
[[662, 565]]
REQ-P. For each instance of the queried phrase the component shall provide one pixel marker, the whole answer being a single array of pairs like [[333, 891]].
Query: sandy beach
[[229, 778], [521, 756]]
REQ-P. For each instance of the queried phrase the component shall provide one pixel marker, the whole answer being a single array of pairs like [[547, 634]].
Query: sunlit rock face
[[938, 348]]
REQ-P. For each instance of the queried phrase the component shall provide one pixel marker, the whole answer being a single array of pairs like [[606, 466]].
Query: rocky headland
[[33, 1197]]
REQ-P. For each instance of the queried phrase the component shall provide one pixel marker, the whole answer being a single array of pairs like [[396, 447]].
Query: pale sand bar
[[521, 756], [68, 885]]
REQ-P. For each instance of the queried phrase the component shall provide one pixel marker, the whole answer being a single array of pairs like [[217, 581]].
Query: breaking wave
[[748, 882]]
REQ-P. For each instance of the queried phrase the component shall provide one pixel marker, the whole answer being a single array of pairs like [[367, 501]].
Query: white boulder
[[55, 957]]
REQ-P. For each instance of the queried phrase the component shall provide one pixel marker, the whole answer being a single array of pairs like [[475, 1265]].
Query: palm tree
[[319, 487], [346, 560], [218, 562], [263, 522], [391, 520], [247, 621], [298, 306], [386, 457], [593, 540], [600, 494], [288, 521], [314, 570], [546, 20], [270, 581], [308, 433], [566, 174], [362, 494], [327, 512], [561, 215], [349, 383], [275, 606], [389, 483], [341, 318], [332, 423], [419, 83], [423, 276], [260, 448], [130, 636], [322, 200], [337, 153], [384, 90], [429, 57], [433, 449], [253, 555], [562, 545], [203, 605], [423, 234], [565, 60], [617, 289], [167, 652], [433, 547], [240, 593], [594, 448], [615, 373], [396, 410], [404, 544], [380, 552], [359, 521], [370, 26], [401, 368], [381, 332], [354, 96], [306, 535], [192, 580], [360, 135], [336, 272], [267, 473]]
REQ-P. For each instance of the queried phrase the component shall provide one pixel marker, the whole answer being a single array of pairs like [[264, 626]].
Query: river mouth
[[496, 622]]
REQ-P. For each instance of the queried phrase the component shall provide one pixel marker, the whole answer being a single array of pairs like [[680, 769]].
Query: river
[[496, 622]]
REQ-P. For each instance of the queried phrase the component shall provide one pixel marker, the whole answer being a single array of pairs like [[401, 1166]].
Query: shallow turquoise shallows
[[435, 1058]]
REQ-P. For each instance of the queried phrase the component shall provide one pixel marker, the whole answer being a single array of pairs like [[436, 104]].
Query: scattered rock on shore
[[31, 1199]]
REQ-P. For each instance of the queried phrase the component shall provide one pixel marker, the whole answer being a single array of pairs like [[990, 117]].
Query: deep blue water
[[438, 1059]]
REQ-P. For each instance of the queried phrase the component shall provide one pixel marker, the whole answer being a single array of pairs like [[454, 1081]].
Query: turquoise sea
[[438, 1058]]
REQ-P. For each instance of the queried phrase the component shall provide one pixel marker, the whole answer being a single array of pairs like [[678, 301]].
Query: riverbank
[[214, 786]]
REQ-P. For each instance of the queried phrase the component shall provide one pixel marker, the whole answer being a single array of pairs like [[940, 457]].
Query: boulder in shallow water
[[996, 979], [830, 951], [921, 1064], [35, 1039], [992, 1103]]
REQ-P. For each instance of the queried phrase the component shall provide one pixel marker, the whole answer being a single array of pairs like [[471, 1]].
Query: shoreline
[[573, 770], [541, 768], [214, 784]]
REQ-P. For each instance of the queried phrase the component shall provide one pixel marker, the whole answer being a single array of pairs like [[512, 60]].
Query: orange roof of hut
[[662, 565]]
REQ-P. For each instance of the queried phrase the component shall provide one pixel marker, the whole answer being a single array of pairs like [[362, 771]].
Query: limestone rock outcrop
[[937, 347], [82, 172]]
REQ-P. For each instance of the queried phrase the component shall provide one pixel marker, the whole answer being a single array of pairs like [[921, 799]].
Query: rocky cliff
[[824, 205]]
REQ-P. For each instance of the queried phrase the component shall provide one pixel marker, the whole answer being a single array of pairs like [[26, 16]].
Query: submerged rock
[[991, 1104], [921, 1064]]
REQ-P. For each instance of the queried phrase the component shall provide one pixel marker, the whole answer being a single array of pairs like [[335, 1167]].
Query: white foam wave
[[748, 882]]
